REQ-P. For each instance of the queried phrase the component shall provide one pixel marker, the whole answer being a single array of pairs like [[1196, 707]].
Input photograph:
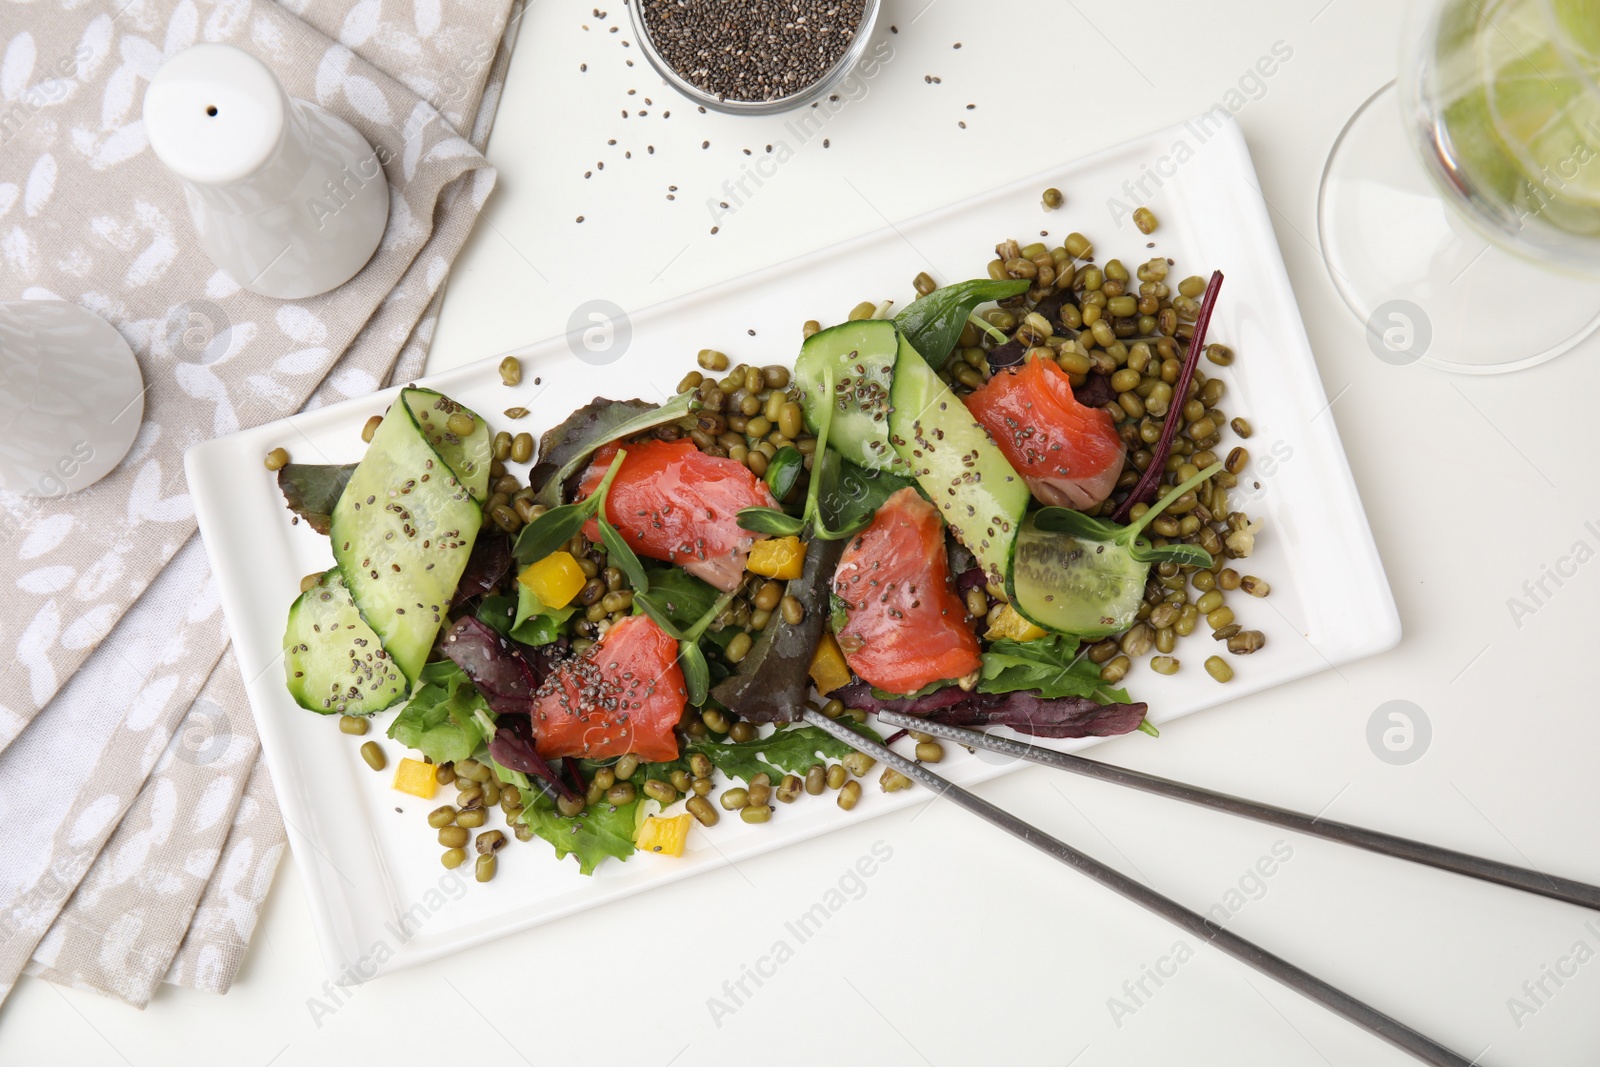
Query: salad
[[981, 511]]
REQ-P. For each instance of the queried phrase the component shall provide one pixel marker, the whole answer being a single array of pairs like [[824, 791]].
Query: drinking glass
[[1460, 207]]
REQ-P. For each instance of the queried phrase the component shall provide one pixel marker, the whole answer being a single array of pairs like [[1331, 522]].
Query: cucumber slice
[[1086, 588], [978, 493], [862, 357], [404, 526], [333, 661]]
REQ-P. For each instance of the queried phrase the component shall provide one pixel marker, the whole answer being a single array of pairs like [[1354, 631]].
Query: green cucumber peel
[[402, 559]]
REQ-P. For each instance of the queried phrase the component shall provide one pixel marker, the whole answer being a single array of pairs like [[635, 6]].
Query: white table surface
[[1473, 487]]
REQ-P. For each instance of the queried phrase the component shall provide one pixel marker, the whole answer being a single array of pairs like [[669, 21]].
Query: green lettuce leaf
[[602, 830], [788, 751], [1050, 666], [535, 624], [933, 323], [498, 612], [447, 719], [679, 596]]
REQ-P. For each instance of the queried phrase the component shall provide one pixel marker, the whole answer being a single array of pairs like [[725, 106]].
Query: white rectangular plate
[[373, 874]]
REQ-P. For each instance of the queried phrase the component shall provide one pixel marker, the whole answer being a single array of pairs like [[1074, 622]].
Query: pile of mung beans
[[1133, 328]]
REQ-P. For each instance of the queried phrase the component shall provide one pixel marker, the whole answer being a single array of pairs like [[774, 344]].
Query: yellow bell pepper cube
[[777, 557], [1010, 624], [555, 580], [416, 778], [829, 671], [662, 834]]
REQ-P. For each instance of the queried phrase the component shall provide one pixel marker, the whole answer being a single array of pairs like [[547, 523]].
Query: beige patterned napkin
[[114, 675]]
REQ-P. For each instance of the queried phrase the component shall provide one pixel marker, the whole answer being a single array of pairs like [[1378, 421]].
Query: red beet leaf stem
[[1150, 481]]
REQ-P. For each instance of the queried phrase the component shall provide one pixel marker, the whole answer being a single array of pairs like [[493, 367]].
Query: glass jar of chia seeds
[[756, 57]]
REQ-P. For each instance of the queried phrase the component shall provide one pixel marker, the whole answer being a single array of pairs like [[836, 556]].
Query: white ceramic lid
[[214, 114], [74, 397]]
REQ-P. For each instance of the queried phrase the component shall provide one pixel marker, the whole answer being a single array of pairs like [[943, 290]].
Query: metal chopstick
[[1545, 885], [1309, 985]]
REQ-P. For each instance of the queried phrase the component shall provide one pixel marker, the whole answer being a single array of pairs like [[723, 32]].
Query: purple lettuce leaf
[[513, 748], [1025, 712], [972, 578], [312, 489], [497, 668], [1007, 355], [488, 564], [581, 432], [1096, 391]]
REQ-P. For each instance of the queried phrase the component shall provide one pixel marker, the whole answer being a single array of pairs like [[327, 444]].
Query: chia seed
[[753, 51]]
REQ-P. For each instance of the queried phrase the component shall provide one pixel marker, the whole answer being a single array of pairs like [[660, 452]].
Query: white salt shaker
[[286, 198]]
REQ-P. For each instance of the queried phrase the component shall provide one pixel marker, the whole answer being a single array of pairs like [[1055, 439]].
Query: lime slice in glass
[[1543, 102]]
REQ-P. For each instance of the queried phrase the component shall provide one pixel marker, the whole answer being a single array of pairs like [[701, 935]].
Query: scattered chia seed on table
[[753, 50]]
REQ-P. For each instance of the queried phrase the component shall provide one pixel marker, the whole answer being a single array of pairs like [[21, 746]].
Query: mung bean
[[858, 763], [892, 781], [702, 810]]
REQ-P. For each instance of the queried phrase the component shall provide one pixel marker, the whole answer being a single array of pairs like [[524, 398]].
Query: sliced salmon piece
[[1069, 454], [906, 626], [671, 501], [625, 693]]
